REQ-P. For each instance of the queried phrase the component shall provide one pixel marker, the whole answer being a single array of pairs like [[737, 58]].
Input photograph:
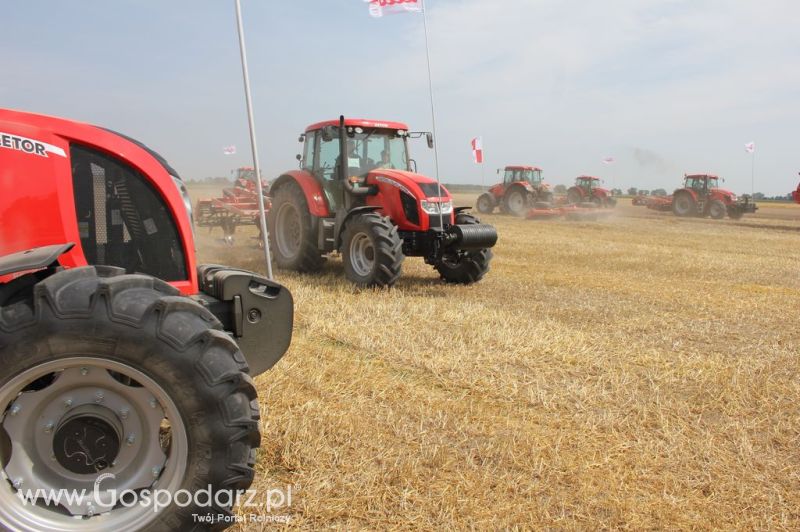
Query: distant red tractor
[[522, 186], [796, 194], [701, 196], [126, 367], [373, 209], [587, 189]]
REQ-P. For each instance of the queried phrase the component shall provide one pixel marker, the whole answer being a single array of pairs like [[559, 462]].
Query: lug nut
[[153, 402], [17, 483], [131, 439], [84, 371], [99, 396], [254, 315], [68, 403], [156, 471], [124, 413], [15, 410], [49, 426], [90, 511]]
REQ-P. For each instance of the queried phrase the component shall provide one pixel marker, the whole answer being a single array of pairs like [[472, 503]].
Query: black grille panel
[[410, 207]]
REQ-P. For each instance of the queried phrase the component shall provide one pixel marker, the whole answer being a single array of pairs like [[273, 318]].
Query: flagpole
[[753, 175], [253, 144], [433, 112]]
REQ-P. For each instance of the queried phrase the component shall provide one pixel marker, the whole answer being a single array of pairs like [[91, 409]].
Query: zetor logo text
[[33, 147]]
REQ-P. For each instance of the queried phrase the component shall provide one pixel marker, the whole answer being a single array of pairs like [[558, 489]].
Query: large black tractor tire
[[683, 205], [574, 196], [485, 203], [717, 210], [292, 234], [105, 372], [465, 267], [517, 201], [372, 251]]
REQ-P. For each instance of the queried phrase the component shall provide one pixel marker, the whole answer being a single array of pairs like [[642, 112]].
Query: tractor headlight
[[435, 207]]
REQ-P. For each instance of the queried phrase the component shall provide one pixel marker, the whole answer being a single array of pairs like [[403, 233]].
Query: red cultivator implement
[[237, 206]]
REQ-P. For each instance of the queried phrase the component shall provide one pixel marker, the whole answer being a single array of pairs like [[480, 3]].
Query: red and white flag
[[477, 150], [608, 160], [379, 8], [750, 147], [229, 150]]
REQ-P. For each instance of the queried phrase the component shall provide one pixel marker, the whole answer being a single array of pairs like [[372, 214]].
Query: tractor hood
[[722, 192], [418, 185]]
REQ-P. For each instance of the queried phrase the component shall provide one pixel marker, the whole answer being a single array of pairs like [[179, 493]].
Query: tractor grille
[[410, 207], [122, 220]]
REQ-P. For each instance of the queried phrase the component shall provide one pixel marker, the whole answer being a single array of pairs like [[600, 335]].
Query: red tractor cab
[[796, 194], [357, 192], [244, 178], [701, 196], [522, 186], [587, 189], [126, 366]]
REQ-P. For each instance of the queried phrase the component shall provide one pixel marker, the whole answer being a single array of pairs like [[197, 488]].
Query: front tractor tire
[[574, 196], [117, 379], [372, 251], [485, 203], [464, 267], [293, 239], [516, 201], [683, 205]]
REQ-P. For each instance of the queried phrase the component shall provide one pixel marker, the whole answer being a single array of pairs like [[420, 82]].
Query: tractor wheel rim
[[287, 231], [99, 429], [516, 202], [362, 254], [483, 204]]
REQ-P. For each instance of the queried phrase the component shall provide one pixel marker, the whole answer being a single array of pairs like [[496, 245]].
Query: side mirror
[[328, 133], [498, 171], [413, 165], [298, 157], [302, 137], [429, 138]]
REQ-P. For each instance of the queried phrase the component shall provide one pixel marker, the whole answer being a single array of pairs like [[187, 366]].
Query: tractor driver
[[386, 161], [354, 160]]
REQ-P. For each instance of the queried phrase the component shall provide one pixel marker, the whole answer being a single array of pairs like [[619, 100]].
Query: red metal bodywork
[[596, 191], [37, 206], [796, 194], [499, 190]]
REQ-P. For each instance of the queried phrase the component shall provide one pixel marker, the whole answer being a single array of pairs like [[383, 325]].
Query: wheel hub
[[88, 440], [362, 254]]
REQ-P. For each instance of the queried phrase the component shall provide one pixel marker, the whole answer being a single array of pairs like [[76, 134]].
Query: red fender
[[315, 196]]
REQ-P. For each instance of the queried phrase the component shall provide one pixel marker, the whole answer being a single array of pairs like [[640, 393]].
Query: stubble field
[[640, 371]]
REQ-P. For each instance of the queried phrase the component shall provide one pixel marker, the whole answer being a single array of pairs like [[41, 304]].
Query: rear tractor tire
[[574, 196], [717, 210], [292, 237], [116, 382], [485, 203], [683, 205], [464, 267], [372, 251]]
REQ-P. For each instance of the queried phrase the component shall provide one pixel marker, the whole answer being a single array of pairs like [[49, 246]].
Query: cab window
[[309, 153], [122, 220]]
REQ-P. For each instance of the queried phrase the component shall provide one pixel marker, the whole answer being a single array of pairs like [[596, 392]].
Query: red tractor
[[701, 196], [128, 369], [587, 189], [373, 209], [522, 186], [796, 194]]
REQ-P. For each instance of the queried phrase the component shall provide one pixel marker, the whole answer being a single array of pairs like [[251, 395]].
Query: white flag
[[608, 160], [229, 150], [750, 147]]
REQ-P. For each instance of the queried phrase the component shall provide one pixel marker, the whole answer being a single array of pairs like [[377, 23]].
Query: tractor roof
[[593, 178], [514, 167], [358, 122], [712, 176]]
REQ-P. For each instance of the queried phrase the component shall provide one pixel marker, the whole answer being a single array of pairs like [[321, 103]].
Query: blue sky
[[664, 86]]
